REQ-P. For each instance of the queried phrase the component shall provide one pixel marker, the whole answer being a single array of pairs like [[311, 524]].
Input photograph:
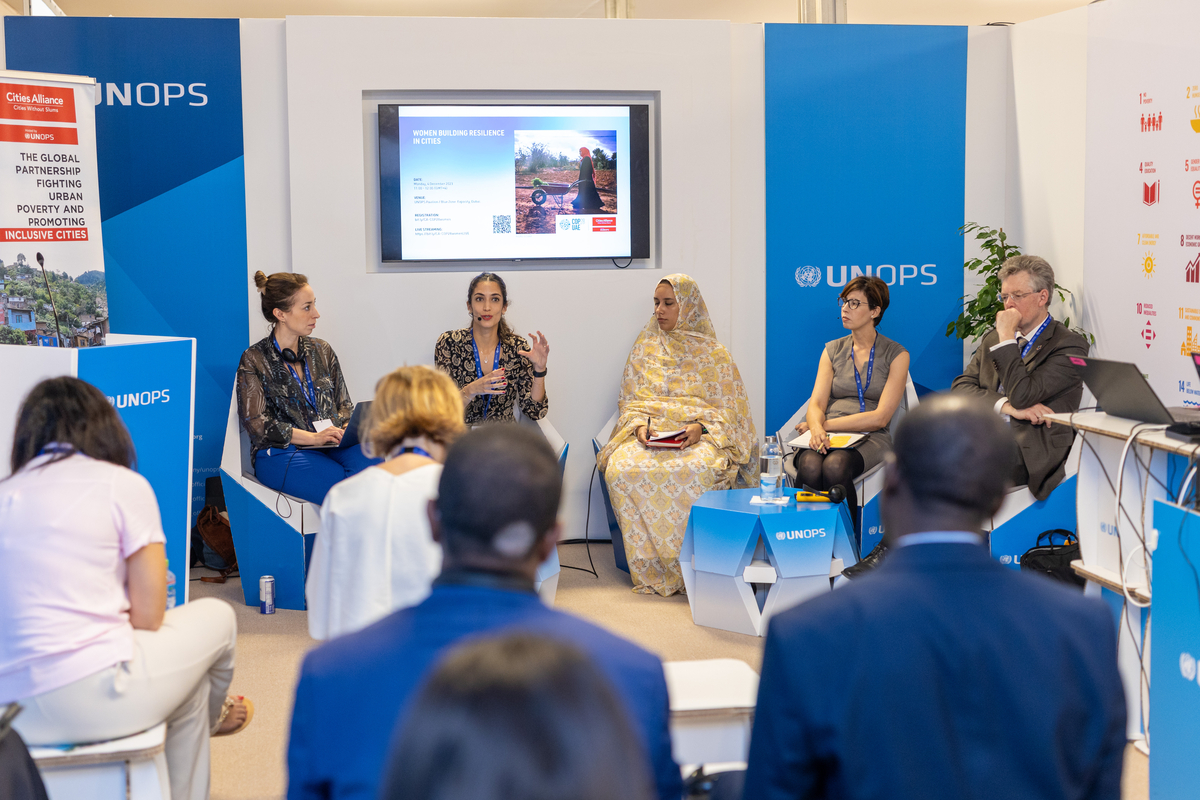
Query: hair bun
[[260, 280]]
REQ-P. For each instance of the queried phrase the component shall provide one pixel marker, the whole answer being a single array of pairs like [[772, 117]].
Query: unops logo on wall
[[809, 276], [134, 399], [148, 94]]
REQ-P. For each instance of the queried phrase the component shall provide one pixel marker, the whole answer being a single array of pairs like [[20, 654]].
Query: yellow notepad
[[836, 440]]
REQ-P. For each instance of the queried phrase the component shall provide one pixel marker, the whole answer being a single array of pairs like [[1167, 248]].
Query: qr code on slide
[[502, 224]]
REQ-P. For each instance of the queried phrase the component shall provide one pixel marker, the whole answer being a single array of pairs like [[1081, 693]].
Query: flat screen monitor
[[513, 182]]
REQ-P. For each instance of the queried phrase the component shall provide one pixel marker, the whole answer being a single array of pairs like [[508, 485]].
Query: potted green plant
[[979, 314]]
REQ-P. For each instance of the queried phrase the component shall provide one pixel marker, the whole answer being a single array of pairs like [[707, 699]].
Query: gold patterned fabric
[[674, 378]]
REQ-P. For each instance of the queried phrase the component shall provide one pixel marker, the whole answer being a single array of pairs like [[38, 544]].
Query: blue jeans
[[309, 474]]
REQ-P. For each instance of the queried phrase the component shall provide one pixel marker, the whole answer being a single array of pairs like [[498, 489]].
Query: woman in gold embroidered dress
[[678, 376]]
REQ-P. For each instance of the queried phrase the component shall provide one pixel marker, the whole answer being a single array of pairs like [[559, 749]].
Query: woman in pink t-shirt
[[86, 643]]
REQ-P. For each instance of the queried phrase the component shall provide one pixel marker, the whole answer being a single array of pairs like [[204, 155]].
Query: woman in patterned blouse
[[291, 392], [495, 368]]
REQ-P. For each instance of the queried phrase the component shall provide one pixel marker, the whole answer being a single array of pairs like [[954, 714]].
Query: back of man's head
[[499, 492], [954, 453]]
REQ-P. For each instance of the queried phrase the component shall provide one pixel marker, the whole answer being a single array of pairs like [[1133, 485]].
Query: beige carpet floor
[[251, 765]]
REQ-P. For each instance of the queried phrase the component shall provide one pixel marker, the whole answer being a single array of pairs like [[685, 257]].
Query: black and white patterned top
[[455, 356], [271, 402]]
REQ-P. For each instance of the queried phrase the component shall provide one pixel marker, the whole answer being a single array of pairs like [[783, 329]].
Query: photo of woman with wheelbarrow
[[563, 173]]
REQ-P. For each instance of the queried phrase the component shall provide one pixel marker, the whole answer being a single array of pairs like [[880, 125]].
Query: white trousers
[[179, 673]]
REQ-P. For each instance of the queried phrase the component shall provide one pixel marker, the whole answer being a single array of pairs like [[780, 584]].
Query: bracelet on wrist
[[537, 374]]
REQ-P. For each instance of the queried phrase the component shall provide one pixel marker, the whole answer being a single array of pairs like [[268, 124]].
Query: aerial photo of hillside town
[[27, 314]]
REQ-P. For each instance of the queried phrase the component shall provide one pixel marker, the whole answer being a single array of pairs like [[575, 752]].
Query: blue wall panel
[[172, 188], [865, 153]]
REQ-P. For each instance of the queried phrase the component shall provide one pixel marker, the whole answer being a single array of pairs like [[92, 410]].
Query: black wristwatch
[[541, 374]]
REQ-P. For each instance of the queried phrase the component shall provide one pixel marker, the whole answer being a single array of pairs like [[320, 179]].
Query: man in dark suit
[[496, 519], [1023, 369], [941, 674]]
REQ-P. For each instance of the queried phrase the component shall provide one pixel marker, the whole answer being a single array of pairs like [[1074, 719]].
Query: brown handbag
[[214, 530]]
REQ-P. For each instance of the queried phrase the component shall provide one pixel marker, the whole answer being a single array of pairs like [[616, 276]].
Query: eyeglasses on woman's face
[[852, 302]]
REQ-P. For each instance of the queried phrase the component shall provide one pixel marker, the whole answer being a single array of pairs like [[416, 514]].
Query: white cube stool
[[134, 767], [712, 709]]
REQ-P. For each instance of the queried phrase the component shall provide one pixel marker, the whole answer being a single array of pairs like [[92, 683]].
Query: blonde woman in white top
[[375, 553]]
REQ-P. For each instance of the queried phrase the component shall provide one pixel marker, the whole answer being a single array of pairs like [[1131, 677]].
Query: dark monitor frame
[[391, 247]]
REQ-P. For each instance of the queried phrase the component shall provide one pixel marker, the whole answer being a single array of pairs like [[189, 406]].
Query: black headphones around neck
[[287, 354]]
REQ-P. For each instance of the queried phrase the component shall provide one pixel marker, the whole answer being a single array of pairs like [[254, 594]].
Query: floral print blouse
[[454, 355], [270, 400]]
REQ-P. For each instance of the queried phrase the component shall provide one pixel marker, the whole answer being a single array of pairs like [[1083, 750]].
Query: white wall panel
[[748, 273], [381, 320], [986, 173], [1049, 61], [265, 137]]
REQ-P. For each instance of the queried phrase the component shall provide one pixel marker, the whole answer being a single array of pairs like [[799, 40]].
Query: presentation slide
[[509, 182]]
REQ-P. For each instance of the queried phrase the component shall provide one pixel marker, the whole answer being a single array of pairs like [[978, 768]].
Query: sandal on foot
[[227, 707]]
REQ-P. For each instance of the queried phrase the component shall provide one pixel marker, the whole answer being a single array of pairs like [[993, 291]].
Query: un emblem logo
[[1187, 666], [780, 536], [1005, 559], [808, 276]]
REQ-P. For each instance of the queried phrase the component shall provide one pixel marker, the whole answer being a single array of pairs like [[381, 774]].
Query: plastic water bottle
[[170, 587], [769, 485]]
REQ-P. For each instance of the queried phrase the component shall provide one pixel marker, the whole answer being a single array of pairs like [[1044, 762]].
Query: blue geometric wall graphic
[[176, 266]]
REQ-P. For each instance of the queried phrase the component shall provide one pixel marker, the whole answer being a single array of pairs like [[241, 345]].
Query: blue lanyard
[[56, 447], [862, 397], [479, 369], [1029, 344], [421, 451], [309, 391]]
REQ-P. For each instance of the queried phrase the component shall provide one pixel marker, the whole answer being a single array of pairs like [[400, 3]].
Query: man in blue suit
[[941, 674], [496, 519]]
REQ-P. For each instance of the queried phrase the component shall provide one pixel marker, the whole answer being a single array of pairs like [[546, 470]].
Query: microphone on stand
[[42, 263]]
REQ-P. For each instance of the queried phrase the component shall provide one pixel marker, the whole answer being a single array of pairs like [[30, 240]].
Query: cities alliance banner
[[168, 111], [865, 153], [1142, 216], [48, 176]]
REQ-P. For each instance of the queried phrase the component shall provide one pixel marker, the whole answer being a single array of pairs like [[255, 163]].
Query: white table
[[1112, 546], [712, 710]]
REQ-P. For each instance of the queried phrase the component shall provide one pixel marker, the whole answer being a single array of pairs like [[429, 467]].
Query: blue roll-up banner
[[865, 153], [150, 385], [172, 188]]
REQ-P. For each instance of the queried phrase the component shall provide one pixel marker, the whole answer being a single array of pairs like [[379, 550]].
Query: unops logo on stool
[[807, 533], [1187, 666]]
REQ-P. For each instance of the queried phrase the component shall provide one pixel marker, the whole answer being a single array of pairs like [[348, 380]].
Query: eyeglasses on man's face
[[853, 302], [1014, 296]]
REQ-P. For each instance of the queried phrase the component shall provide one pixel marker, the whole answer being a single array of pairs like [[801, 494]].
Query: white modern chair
[[712, 705], [273, 532], [132, 768], [614, 527], [1015, 527]]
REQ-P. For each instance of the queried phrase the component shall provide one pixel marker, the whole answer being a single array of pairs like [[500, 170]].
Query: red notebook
[[671, 441]]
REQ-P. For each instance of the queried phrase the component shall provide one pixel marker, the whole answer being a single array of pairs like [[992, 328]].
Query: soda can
[[266, 594]]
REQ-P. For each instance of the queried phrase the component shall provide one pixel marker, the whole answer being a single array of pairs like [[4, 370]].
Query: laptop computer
[[1122, 391], [350, 437]]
